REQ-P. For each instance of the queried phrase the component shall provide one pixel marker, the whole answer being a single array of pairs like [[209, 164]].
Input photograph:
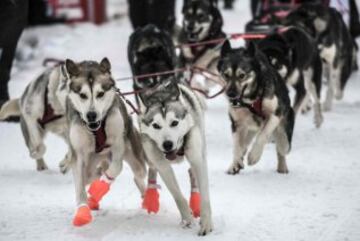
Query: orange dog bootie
[[82, 216], [93, 205], [151, 200], [98, 189], [195, 203]]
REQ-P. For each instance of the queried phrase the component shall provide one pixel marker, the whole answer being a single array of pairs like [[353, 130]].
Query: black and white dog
[[337, 48], [150, 50], [294, 54], [259, 105], [202, 22]]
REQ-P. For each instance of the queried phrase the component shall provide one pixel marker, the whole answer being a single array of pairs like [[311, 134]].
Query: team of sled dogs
[[79, 102]]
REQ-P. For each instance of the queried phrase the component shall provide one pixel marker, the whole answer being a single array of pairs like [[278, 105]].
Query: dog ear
[[72, 68], [226, 48], [105, 65]]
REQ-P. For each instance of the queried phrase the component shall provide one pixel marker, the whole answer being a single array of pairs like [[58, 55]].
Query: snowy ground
[[318, 200]]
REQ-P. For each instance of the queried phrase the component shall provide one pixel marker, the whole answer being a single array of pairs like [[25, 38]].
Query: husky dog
[[202, 21], [259, 105], [294, 54], [337, 48], [101, 135], [150, 50], [41, 109], [172, 127]]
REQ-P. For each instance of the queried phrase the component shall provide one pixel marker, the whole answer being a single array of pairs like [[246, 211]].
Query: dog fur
[[334, 41], [172, 126], [259, 105], [294, 54], [93, 102]]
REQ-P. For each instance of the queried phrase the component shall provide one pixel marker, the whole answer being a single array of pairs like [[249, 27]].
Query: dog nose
[[191, 27], [168, 145], [231, 93], [91, 116]]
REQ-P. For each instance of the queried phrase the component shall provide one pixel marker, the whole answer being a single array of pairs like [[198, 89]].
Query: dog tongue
[[171, 155]]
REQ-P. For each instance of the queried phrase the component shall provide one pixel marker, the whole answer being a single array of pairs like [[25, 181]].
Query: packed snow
[[318, 200]]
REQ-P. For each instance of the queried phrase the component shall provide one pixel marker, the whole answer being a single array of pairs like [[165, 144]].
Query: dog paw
[[195, 204], [254, 155], [41, 165], [187, 223], [206, 226], [283, 170], [235, 168], [318, 120], [38, 152], [82, 216], [151, 200], [64, 168]]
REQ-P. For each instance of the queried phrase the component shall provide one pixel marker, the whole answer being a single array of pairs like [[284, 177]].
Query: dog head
[[166, 122], [150, 50], [201, 19], [240, 69], [313, 18], [91, 90]]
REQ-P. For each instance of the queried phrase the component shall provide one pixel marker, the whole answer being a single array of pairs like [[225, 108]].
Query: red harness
[[100, 138], [255, 107], [49, 114]]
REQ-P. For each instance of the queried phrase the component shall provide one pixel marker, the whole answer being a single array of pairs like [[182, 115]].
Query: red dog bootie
[[93, 205], [98, 189], [82, 216], [151, 198], [195, 203]]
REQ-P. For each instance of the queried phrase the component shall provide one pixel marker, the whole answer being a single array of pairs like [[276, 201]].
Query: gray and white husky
[[172, 127], [101, 135], [41, 109]]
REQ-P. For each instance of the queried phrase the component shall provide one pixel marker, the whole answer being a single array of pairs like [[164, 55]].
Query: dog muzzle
[[93, 126]]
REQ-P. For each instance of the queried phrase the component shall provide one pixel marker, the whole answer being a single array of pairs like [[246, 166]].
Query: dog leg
[[195, 198], [151, 198], [64, 165], [282, 148], [334, 76], [242, 138], [300, 93], [262, 139], [318, 116], [168, 176], [34, 142], [137, 169], [100, 187], [83, 214], [198, 162]]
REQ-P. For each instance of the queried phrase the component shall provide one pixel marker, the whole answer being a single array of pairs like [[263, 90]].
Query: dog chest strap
[[49, 114], [100, 138]]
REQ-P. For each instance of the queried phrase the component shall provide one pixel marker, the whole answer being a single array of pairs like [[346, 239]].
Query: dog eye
[[174, 123], [100, 95], [156, 126], [83, 96], [242, 76]]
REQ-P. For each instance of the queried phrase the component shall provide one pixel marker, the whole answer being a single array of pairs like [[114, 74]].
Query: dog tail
[[10, 108]]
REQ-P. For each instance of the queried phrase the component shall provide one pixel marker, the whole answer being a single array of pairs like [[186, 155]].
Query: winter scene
[[179, 120]]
